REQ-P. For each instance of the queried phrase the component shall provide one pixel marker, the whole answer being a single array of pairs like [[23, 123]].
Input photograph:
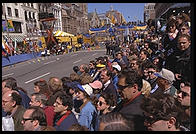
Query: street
[[26, 73]]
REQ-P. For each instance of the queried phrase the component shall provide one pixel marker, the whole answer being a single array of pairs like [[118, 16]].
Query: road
[[26, 73]]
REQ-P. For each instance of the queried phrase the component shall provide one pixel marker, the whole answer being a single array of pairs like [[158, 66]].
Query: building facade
[[149, 11], [94, 20]]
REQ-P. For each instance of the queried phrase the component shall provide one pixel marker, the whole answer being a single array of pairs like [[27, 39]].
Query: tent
[[62, 34]]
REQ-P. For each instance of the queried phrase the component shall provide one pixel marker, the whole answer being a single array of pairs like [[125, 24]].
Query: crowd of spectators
[[145, 87]]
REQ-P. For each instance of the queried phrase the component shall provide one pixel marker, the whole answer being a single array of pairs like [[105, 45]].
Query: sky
[[135, 11]]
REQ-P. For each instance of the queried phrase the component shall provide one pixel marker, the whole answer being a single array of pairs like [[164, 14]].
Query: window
[[26, 15], [9, 11], [33, 15], [16, 13], [32, 5], [29, 15]]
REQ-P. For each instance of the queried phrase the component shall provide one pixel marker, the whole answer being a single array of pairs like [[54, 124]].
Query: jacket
[[110, 89], [88, 116]]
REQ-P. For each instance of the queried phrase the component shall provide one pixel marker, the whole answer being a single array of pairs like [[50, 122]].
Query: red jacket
[[49, 111]]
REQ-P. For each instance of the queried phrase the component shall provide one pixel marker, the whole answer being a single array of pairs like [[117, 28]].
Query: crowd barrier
[[19, 58]]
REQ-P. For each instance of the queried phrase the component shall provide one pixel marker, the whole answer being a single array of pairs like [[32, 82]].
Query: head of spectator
[[55, 84], [184, 42], [74, 77], [38, 99], [106, 75], [84, 68], [151, 70], [106, 103], [114, 122], [78, 127], [10, 101], [133, 52], [143, 54], [33, 119], [181, 18], [9, 84], [184, 97], [92, 64], [119, 55], [129, 84], [116, 68], [134, 63], [41, 86], [96, 86], [76, 69], [171, 26], [63, 104], [162, 113], [165, 79], [185, 28]]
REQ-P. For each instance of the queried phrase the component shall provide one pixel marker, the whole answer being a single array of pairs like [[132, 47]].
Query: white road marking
[[8, 75], [37, 78], [77, 61], [74, 55], [49, 62], [94, 54]]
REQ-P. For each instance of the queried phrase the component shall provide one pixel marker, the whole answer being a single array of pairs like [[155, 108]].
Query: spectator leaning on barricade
[[38, 99], [64, 116], [11, 104], [162, 113], [34, 119]]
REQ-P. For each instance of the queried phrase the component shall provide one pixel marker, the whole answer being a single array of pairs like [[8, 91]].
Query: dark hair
[[66, 100], [109, 99], [145, 52], [10, 82], [76, 69], [38, 114], [185, 36], [170, 23], [43, 86], [108, 72], [78, 127], [163, 106], [115, 122], [17, 98], [132, 77]]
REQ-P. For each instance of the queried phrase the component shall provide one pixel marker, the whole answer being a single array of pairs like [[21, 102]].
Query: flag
[[6, 47], [10, 26], [113, 19]]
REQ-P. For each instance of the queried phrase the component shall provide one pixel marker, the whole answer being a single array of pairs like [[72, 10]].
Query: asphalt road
[[26, 73]]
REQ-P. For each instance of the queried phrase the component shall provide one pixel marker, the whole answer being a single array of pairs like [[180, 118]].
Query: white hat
[[117, 67], [166, 74], [88, 89]]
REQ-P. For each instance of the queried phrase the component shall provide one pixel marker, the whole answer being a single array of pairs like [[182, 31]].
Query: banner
[[10, 26]]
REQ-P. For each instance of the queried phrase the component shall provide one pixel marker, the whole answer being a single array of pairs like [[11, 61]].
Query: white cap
[[117, 67], [88, 89]]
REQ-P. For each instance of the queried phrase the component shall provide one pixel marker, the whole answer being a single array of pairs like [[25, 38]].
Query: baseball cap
[[100, 65], [166, 74], [96, 84], [117, 67], [87, 88]]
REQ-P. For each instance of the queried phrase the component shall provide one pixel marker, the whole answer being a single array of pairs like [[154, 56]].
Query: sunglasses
[[150, 72], [120, 87], [100, 103], [24, 120]]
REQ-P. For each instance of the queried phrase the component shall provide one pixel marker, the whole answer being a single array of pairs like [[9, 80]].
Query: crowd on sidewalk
[[145, 87]]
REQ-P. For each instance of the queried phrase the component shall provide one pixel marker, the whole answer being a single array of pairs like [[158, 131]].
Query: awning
[[62, 34], [18, 38]]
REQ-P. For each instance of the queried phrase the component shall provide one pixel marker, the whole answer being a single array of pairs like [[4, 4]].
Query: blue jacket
[[66, 123], [87, 116]]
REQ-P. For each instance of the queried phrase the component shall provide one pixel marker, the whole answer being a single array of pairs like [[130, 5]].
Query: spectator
[[116, 71], [64, 117], [130, 84], [39, 100], [88, 113], [56, 87], [96, 86], [108, 86], [114, 122], [185, 29], [41, 86], [143, 55], [184, 97], [34, 119], [92, 67], [85, 78], [165, 82], [162, 113], [11, 104]]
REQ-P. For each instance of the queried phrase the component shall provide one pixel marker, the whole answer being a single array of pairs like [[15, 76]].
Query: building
[[149, 11], [165, 10], [94, 20], [105, 21]]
